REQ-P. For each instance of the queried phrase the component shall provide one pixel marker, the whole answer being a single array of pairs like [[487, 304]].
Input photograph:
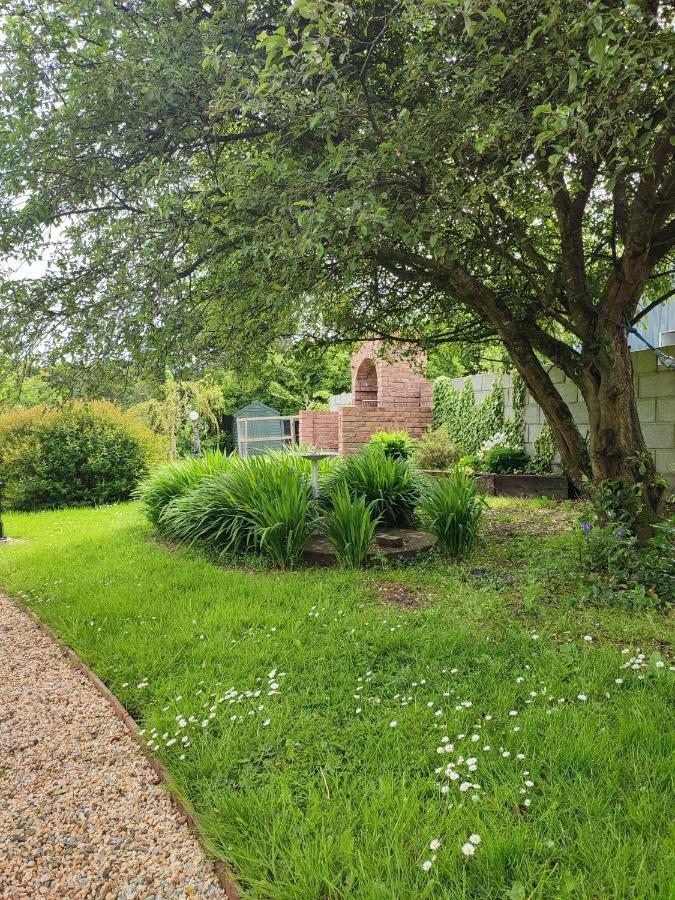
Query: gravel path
[[81, 814]]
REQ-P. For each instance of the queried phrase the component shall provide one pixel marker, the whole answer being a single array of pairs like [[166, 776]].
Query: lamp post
[[196, 443]]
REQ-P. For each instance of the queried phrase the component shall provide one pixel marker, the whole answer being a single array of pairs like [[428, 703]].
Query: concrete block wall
[[655, 390], [320, 429], [358, 423]]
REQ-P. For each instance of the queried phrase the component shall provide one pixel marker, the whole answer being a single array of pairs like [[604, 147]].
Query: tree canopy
[[434, 171]]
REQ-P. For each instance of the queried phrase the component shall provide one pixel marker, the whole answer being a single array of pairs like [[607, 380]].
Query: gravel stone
[[80, 813]]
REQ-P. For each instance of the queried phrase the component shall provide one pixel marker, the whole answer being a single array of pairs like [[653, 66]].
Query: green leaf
[[497, 13], [572, 80], [516, 891], [597, 49]]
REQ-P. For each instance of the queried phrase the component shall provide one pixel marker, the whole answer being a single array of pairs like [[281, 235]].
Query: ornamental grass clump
[[350, 525], [273, 499], [205, 513], [452, 509], [174, 479], [393, 485], [262, 504]]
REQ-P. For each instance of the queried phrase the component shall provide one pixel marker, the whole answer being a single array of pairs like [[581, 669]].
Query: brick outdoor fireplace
[[389, 393]]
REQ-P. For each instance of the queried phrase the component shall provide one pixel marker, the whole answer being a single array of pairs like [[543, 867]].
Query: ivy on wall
[[470, 424], [545, 448]]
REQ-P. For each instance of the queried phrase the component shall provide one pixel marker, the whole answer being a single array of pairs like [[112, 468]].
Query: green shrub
[[396, 444], [633, 574], [350, 527], [469, 462], [174, 479], [452, 510], [436, 450], [392, 484], [503, 460], [79, 455]]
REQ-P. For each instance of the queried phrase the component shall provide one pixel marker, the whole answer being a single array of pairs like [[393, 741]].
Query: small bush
[[395, 444], [503, 460], [634, 575], [436, 450], [392, 484], [452, 510], [471, 463], [174, 479], [350, 527], [79, 455]]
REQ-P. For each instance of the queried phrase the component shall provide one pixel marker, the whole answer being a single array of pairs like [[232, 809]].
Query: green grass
[[328, 802]]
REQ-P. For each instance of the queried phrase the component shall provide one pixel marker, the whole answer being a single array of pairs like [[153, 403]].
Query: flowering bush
[[79, 455]]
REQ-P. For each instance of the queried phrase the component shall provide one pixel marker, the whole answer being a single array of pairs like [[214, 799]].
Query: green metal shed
[[272, 426]]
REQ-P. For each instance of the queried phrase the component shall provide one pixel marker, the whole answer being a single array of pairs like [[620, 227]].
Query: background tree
[[435, 172]]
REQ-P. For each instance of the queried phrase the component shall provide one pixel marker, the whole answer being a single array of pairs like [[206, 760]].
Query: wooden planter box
[[556, 486]]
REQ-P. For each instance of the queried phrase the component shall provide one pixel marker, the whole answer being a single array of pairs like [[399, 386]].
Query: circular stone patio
[[389, 543]]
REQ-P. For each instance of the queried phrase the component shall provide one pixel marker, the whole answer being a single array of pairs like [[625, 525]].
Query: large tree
[[432, 170]]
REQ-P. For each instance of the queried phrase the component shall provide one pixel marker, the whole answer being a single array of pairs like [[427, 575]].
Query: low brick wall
[[320, 429], [359, 423]]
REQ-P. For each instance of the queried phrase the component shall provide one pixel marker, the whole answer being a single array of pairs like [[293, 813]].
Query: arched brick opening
[[365, 383]]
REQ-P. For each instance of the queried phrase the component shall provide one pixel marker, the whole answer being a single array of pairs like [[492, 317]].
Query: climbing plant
[[471, 424], [545, 448]]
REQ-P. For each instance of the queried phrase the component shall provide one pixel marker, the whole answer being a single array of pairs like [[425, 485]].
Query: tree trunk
[[569, 439], [617, 446]]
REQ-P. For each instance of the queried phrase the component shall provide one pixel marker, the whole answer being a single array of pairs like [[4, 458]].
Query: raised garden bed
[[391, 543], [555, 486]]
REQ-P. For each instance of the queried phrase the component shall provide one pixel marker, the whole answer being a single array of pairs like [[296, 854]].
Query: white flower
[[618, 681], [513, 712], [468, 849], [529, 783], [435, 844], [587, 637], [582, 697], [358, 710], [393, 723], [475, 839], [464, 786], [506, 754]]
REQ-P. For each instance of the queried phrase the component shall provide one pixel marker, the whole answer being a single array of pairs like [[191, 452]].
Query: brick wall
[[320, 429], [359, 423], [389, 379], [655, 390]]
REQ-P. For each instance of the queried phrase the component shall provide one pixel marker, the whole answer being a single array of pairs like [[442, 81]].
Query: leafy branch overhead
[[428, 172]]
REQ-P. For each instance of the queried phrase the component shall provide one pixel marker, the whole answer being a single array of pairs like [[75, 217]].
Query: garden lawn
[[310, 723]]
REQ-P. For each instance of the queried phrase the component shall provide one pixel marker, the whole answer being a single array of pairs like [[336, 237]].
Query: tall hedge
[[78, 455]]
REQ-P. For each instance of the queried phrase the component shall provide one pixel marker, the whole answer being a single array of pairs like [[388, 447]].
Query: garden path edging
[[222, 872]]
